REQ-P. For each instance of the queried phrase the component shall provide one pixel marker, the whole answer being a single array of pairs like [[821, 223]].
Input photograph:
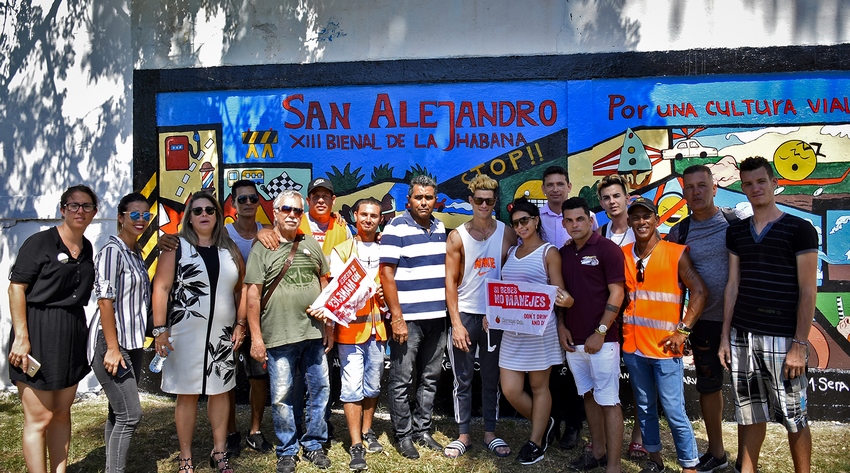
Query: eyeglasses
[[254, 198], [199, 210], [139, 215], [520, 221], [640, 270], [75, 207], [289, 209], [481, 200]]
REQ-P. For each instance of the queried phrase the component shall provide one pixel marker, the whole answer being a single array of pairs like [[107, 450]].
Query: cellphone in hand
[[122, 371], [33, 367]]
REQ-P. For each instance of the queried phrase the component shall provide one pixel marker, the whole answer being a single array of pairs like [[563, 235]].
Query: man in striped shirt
[[413, 273]]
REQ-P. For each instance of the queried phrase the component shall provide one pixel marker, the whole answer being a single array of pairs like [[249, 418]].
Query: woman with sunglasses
[[532, 261], [51, 282], [117, 336], [206, 324]]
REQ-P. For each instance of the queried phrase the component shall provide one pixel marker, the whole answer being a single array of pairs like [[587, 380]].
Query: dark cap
[[645, 203], [320, 182]]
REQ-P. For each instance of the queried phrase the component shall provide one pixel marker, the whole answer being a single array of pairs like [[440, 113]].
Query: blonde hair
[[483, 182], [220, 237]]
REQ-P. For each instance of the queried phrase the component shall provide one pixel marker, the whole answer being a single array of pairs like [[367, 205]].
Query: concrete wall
[[66, 67]]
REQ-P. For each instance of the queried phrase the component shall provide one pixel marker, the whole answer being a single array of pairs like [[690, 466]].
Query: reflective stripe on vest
[[655, 305]]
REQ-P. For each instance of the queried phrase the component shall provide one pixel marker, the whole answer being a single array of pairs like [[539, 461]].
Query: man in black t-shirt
[[768, 309]]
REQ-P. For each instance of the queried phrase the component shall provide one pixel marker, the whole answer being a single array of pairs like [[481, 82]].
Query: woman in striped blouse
[[123, 290]]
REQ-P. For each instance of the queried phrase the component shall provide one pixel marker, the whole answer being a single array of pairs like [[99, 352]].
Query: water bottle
[[158, 361]]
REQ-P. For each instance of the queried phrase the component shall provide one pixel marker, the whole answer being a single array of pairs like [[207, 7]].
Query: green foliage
[[417, 170], [589, 194], [382, 173], [346, 180]]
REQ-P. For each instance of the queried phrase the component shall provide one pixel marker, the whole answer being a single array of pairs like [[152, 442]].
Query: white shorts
[[599, 372]]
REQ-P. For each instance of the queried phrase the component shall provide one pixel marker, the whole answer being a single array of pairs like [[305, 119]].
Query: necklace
[[611, 234], [640, 258], [485, 234]]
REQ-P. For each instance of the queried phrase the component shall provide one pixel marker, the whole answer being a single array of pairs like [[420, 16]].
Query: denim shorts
[[361, 367]]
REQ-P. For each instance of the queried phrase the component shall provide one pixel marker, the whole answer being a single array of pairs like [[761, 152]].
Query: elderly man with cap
[[654, 332]]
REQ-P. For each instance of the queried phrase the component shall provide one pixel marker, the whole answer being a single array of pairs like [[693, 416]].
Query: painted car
[[688, 149]]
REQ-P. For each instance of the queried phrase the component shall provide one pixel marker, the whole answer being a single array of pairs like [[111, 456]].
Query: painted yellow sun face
[[794, 160], [669, 201]]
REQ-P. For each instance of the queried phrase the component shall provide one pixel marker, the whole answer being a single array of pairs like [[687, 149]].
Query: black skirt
[[58, 338]]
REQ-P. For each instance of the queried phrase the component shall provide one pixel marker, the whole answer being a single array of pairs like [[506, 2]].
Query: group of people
[[620, 292]]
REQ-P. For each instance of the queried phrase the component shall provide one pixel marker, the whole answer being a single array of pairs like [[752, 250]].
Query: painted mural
[[370, 140]]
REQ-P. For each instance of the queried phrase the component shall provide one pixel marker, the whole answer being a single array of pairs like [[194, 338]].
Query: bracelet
[[242, 323], [800, 342], [686, 333], [396, 320]]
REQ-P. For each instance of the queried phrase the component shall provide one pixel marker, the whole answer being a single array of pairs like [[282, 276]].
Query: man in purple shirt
[[593, 269]]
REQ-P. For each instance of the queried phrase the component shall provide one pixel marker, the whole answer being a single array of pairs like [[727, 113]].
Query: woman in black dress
[[51, 281]]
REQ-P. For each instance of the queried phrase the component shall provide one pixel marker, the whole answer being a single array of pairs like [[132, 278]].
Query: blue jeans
[[283, 362], [421, 353], [662, 380]]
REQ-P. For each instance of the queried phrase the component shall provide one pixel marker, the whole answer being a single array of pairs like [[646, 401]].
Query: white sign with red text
[[525, 308], [347, 293]]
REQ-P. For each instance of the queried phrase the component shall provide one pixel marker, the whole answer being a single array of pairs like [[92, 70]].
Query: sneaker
[[358, 458], [547, 434], [651, 467], [233, 444], [707, 462], [372, 443], [530, 453], [286, 464], [258, 442], [588, 462], [318, 458]]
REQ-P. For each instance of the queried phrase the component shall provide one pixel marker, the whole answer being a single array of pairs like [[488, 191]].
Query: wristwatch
[[683, 329], [157, 331], [602, 329]]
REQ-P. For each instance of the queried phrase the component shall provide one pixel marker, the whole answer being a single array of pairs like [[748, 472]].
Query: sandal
[[495, 445], [217, 463], [186, 466], [637, 452], [455, 445]]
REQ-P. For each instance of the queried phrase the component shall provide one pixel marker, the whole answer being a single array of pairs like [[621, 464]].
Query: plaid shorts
[[762, 393]]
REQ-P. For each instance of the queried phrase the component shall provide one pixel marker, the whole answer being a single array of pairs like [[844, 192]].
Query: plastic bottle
[[158, 361]]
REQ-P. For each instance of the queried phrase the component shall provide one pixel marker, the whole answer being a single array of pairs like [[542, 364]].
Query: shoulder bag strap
[[286, 265]]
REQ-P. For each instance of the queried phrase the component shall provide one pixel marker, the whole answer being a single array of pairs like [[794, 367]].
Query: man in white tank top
[[474, 253]]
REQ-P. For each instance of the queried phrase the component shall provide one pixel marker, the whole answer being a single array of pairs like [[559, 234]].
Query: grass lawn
[[154, 446]]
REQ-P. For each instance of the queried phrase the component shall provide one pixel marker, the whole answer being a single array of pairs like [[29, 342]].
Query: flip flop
[[497, 443], [637, 452], [456, 445]]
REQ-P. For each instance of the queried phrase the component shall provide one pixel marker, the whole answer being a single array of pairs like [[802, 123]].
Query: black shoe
[[372, 443], [258, 442], [707, 462], [358, 458], [407, 449], [588, 462], [318, 458], [530, 453], [286, 464], [652, 467], [569, 440], [425, 440], [547, 434], [233, 444]]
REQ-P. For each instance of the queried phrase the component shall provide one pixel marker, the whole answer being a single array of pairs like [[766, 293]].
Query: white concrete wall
[[66, 67]]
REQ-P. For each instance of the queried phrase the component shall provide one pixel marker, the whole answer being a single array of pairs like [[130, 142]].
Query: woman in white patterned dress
[[207, 323], [538, 262]]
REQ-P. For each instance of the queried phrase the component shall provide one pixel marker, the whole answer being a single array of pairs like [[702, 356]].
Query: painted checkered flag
[[280, 184]]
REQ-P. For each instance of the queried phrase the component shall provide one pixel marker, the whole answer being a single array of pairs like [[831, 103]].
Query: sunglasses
[[74, 207], [520, 221], [289, 209], [199, 210], [139, 215], [254, 198], [640, 270], [481, 200]]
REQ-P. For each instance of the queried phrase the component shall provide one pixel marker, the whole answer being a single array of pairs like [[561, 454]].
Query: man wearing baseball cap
[[320, 222], [654, 332]]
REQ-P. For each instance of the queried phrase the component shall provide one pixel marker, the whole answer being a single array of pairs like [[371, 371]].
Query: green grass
[[154, 446]]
